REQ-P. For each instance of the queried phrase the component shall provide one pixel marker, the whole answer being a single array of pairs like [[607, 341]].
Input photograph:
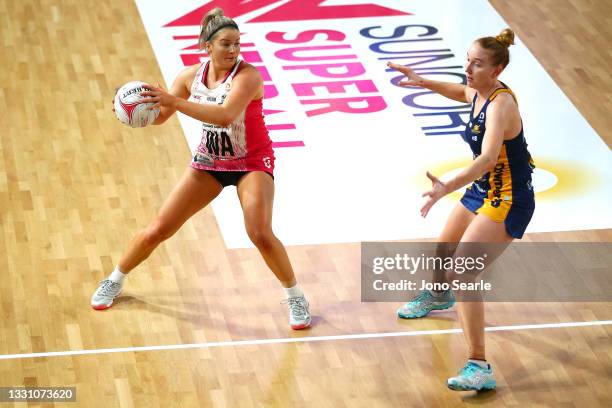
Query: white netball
[[129, 108]]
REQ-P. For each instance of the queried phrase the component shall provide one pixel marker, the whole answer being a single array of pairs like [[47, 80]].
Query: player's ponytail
[[498, 46]]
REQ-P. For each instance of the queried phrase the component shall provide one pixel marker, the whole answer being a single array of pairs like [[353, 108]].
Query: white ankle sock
[[117, 275], [481, 363], [294, 291]]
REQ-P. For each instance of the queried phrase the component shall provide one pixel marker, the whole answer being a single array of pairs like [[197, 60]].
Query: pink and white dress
[[244, 145]]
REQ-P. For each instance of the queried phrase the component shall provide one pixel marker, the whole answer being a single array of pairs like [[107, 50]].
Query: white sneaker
[[299, 316], [105, 294]]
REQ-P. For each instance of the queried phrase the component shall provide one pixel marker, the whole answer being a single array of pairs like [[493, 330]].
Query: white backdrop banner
[[352, 147]]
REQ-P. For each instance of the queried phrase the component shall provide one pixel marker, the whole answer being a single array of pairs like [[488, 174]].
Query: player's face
[[479, 68], [225, 47]]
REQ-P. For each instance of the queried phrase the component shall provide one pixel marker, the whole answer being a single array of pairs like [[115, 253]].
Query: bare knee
[[262, 237], [156, 233]]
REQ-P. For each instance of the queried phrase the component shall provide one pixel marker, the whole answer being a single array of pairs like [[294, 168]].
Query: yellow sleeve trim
[[506, 90]]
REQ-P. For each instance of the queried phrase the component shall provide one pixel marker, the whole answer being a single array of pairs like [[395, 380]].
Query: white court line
[[298, 340]]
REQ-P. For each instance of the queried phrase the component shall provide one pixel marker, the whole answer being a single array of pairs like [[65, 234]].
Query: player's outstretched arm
[[450, 90], [498, 120]]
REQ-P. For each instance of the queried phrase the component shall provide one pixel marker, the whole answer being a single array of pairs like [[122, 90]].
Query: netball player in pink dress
[[225, 94]]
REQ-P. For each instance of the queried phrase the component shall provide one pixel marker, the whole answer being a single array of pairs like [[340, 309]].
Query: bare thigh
[[456, 224], [484, 239], [256, 194], [194, 191], [484, 229]]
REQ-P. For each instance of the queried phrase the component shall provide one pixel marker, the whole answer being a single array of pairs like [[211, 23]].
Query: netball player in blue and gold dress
[[499, 203]]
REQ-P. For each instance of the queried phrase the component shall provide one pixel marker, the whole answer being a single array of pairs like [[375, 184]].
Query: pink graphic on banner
[[291, 11]]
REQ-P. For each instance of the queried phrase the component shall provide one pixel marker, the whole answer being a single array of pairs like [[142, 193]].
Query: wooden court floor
[[75, 185]]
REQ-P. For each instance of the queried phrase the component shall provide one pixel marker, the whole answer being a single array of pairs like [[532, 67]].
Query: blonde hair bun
[[506, 38]]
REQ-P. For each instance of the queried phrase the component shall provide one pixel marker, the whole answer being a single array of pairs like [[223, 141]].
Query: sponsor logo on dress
[[498, 172], [204, 159]]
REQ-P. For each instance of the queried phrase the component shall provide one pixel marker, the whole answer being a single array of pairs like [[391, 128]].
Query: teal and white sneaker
[[472, 378], [424, 303]]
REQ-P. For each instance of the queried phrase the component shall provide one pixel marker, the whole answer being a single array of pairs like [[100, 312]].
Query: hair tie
[[222, 26]]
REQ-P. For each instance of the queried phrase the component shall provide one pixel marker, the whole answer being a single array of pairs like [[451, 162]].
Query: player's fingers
[[151, 88], [425, 209], [433, 178]]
